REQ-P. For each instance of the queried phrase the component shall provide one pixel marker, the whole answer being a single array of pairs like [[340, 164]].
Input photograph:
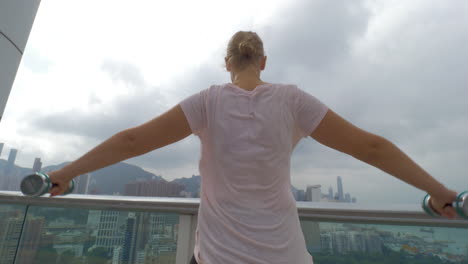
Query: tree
[[46, 255], [98, 255]]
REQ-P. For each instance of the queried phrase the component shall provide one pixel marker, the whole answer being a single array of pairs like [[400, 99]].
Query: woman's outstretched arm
[[161, 131], [339, 134]]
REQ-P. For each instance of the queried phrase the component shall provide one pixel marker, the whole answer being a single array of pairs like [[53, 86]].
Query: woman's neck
[[247, 80]]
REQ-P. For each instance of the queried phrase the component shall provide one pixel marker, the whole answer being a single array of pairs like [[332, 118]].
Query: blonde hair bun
[[244, 48], [247, 49]]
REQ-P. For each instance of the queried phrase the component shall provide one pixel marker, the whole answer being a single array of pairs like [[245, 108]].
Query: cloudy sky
[[394, 68]]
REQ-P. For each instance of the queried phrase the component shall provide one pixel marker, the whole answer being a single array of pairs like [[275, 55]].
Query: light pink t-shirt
[[247, 212]]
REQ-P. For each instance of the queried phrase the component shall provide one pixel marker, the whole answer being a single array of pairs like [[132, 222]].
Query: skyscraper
[[12, 157], [128, 249], [308, 193], [10, 181], [109, 233], [31, 239], [340, 189], [11, 231], [1, 148], [82, 183], [301, 195], [347, 197], [313, 193], [37, 165], [160, 188], [330, 193]]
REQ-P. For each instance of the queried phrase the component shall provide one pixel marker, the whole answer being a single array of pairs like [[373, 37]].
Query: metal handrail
[[399, 214]]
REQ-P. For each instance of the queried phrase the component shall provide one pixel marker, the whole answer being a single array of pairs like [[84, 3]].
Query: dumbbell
[[39, 183], [460, 205]]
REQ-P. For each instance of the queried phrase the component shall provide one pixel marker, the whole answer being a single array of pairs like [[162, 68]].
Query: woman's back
[[247, 212]]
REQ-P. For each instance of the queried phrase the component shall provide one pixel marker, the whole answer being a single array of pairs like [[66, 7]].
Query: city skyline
[[83, 181]]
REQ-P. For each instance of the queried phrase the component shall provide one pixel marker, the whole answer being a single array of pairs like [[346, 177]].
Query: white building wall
[[314, 193], [16, 19]]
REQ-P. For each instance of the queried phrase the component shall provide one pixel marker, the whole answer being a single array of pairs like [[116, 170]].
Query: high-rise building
[[340, 241], [116, 254], [160, 188], [340, 189], [353, 200], [82, 184], [149, 236], [10, 234], [144, 232], [128, 248], [94, 218], [1, 148], [301, 195], [308, 193], [37, 165], [10, 179], [12, 157], [330, 193], [31, 238], [347, 198], [108, 231], [326, 243], [313, 193]]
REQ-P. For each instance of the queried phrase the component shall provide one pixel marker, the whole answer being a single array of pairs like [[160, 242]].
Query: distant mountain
[[191, 184], [112, 179], [108, 180], [54, 167]]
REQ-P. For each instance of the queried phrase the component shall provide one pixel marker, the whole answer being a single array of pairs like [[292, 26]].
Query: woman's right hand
[[439, 201], [59, 181]]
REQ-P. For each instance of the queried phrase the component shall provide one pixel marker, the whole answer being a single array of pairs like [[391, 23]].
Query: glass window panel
[[331, 242], [66, 235], [11, 223]]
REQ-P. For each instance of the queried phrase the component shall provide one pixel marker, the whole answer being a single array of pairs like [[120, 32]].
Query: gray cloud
[[122, 113], [413, 95], [124, 72], [315, 34]]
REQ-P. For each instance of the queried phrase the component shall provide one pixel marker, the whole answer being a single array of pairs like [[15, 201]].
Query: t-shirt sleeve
[[194, 108], [307, 110]]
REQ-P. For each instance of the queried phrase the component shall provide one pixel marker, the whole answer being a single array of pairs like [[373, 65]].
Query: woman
[[248, 130]]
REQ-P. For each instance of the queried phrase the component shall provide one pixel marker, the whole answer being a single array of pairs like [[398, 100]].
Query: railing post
[[192, 232], [184, 235]]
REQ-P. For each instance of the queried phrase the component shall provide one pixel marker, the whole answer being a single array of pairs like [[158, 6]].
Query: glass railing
[[11, 224], [73, 235], [400, 233], [331, 242], [122, 229]]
